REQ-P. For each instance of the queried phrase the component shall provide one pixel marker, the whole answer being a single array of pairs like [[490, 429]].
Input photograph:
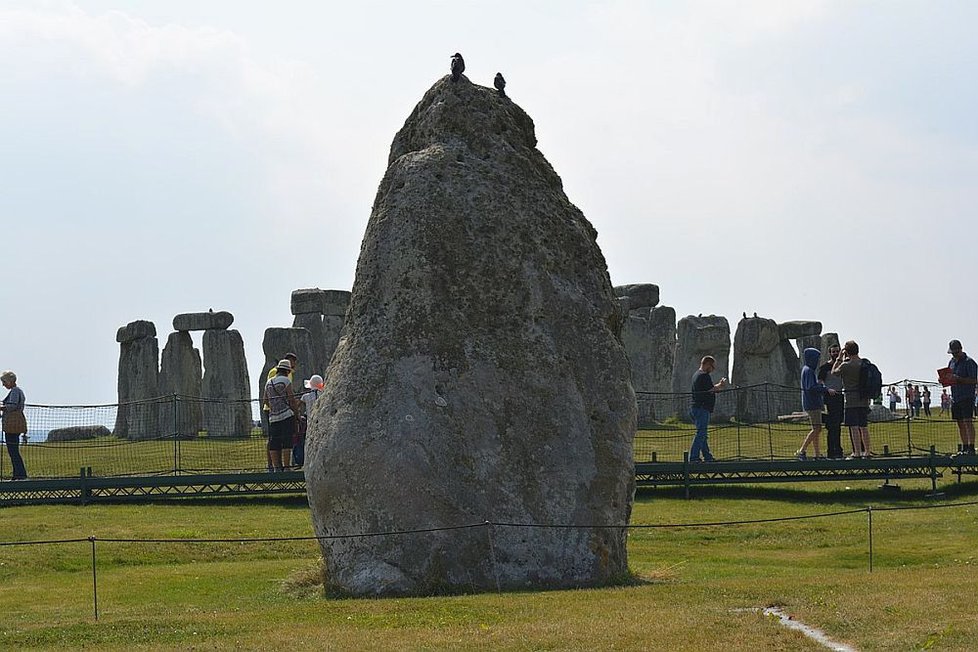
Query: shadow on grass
[[859, 495]]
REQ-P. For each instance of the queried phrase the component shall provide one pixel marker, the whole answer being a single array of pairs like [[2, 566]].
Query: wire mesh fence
[[186, 435]]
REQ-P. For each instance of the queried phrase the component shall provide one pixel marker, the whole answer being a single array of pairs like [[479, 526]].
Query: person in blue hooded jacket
[[813, 394]]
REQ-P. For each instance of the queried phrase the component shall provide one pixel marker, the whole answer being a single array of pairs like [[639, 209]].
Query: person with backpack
[[858, 396], [964, 377]]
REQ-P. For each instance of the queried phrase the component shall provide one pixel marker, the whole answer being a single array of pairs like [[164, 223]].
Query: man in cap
[[964, 377]]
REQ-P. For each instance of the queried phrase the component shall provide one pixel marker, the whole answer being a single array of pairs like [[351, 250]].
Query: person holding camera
[[964, 377], [856, 414]]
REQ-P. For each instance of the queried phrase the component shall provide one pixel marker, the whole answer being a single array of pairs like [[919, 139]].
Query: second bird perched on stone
[[500, 84], [458, 66]]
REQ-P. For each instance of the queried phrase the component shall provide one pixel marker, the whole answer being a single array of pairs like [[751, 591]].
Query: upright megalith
[[225, 386], [279, 341], [180, 379], [480, 366], [334, 318], [138, 381], [767, 368], [308, 307], [697, 337], [649, 336]]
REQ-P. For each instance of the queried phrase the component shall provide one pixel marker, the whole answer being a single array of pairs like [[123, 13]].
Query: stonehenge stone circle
[[640, 295], [698, 336], [181, 374], [480, 366], [793, 330], [308, 301], [226, 379], [763, 357], [649, 336], [138, 381], [203, 321], [276, 343]]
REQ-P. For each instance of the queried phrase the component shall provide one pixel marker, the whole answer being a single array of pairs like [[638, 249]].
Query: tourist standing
[[908, 395], [314, 387], [964, 376], [282, 408], [945, 402], [894, 397], [925, 400], [704, 400], [812, 401], [856, 416], [14, 422], [834, 405]]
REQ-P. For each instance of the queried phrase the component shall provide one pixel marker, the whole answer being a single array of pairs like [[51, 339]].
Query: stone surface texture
[[203, 321], [792, 330], [308, 301], [76, 433], [181, 375], [480, 377], [649, 336], [137, 416], [319, 344], [766, 370], [640, 295], [275, 344], [335, 303], [698, 336], [226, 379]]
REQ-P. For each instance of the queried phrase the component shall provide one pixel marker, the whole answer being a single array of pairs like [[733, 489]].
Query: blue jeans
[[13, 449], [701, 417]]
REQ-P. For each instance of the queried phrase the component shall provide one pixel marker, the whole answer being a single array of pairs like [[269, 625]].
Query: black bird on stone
[[458, 66], [500, 84]]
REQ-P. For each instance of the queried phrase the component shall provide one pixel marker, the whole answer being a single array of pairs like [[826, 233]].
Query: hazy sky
[[802, 159]]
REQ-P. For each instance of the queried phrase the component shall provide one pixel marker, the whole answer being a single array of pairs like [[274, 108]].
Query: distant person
[[812, 401], [282, 409], [14, 422], [834, 405], [856, 417], [894, 397], [964, 377], [925, 400], [917, 404], [945, 402], [314, 387], [704, 400], [908, 394]]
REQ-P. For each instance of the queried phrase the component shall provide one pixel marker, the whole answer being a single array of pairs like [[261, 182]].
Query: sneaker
[[709, 458], [801, 456], [852, 457]]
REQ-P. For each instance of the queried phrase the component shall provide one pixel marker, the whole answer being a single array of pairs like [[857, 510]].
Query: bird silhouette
[[458, 66], [755, 315], [745, 315], [500, 84]]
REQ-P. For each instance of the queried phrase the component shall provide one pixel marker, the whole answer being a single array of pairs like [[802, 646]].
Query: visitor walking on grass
[[964, 376], [704, 400], [925, 400], [14, 422], [945, 402], [847, 367], [812, 401]]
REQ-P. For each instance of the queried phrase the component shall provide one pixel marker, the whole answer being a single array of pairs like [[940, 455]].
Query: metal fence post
[[91, 539], [176, 438], [869, 510], [909, 440], [767, 415], [686, 472]]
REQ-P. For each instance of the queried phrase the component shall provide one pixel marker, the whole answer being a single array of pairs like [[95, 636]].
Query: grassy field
[[698, 588], [111, 456]]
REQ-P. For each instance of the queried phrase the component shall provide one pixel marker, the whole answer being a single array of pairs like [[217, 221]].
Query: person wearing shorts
[[282, 408], [856, 414], [964, 377], [812, 401]]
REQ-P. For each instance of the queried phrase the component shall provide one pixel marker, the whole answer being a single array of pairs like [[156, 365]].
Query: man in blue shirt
[[704, 400], [964, 377]]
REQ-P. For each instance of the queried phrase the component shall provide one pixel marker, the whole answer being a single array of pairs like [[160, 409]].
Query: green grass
[[696, 591]]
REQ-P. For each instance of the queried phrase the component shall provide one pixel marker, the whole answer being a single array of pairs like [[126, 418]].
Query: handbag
[[14, 423]]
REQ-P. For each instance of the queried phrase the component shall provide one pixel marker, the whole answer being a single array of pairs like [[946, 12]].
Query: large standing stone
[[337, 302], [203, 321], [696, 337], [308, 301], [181, 376], [650, 343], [226, 380], [766, 370], [318, 344], [279, 341], [792, 330], [137, 416], [640, 295], [480, 368]]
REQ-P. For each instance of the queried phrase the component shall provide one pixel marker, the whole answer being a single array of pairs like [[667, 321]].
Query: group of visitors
[[287, 413], [836, 393]]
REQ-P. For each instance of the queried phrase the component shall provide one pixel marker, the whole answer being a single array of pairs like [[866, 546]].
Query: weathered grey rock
[[650, 343], [809, 341], [137, 415], [792, 330], [335, 303], [279, 341], [640, 295], [480, 366], [696, 337], [308, 301], [181, 376], [203, 321], [226, 379], [135, 330], [878, 413], [77, 433], [319, 341], [766, 371]]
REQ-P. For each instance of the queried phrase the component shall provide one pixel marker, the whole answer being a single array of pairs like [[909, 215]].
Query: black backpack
[[870, 380]]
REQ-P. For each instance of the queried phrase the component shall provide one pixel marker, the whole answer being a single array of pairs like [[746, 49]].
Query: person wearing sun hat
[[282, 408], [314, 387], [964, 377]]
